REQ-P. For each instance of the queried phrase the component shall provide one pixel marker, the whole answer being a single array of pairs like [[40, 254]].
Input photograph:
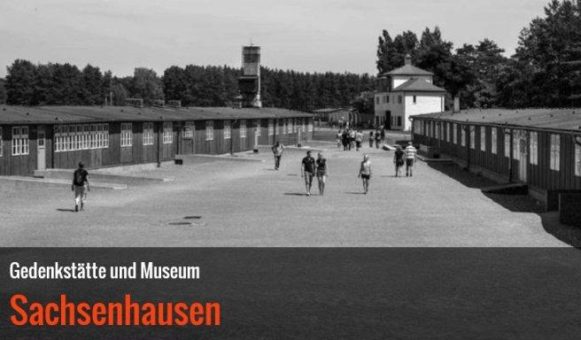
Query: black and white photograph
[[326, 169]]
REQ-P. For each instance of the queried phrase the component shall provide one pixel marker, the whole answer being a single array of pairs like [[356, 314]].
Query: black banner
[[278, 293]]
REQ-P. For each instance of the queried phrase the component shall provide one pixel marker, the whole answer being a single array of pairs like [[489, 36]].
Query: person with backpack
[[80, 186], [398, 159], [371, 139], [277, 150]]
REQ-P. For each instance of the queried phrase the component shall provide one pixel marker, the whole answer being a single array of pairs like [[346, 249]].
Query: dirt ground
[[219, 202]]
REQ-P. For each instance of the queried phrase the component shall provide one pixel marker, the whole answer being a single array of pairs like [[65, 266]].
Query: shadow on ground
[[513, 202], [294, 194]]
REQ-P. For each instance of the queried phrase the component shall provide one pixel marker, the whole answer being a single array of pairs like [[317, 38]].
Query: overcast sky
[[304, 35]]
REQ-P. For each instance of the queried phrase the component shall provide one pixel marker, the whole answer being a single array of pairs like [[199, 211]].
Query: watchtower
[[249, 82]]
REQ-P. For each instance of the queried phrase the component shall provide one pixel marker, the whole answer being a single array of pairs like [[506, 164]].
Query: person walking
[[351, 139], [322, 173], [358, 140], [345, 139], [277, 150], [308, 167], [398, 156], [80, 186], [371, 139], [339, 139], [377, 139], [410, 157], [365, 173]]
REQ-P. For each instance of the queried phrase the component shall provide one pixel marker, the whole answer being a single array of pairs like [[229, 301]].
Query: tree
[[549, 52], [485, 61], [92, 92], [2, 91], [146, 85], [20, 82]]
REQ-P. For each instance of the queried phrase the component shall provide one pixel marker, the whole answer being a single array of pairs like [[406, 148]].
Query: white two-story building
[[405, 92]]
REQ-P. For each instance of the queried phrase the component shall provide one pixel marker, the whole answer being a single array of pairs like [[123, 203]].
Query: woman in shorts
[[365, 173]]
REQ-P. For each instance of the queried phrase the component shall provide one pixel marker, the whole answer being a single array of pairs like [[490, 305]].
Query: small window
[[209, 130], [472, 137], [1, 143], [463, 135], [493, 141], [148, 133], [291, 126], [455, 133], [507, 145], [483, 138], [105, 136], [227, 129], [270, 127], [310, 126], [258, 131], [399, 99], [415, 99], [516, 145], [398, 120], [243, 129], [534, 147], [189, 130], [377, 100], [167, 133], [284, 127], [20, 142], [577, 159], [555, 152], [64, 134], [126, 134]]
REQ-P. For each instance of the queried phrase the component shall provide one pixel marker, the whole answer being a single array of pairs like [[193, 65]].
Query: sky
[[303, 35]]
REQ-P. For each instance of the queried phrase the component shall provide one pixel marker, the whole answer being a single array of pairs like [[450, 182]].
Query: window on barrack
[[242, 128], [209, 130], [148, 133], [227, 129], [167, 133], [126, 135], [20, 142]]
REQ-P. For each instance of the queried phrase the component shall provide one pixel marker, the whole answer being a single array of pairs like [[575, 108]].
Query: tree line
[[65, 84], [545, 71]]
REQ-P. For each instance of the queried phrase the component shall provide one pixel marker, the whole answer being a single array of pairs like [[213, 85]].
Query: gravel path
[[228, 203]]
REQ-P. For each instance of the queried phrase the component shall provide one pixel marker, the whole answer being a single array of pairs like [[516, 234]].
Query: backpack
[[79, 178]]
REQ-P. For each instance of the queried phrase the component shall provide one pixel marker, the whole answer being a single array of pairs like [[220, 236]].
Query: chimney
[[456, 107], [408, 59]]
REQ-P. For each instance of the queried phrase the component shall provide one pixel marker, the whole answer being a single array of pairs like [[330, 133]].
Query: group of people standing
[[349, 139]]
